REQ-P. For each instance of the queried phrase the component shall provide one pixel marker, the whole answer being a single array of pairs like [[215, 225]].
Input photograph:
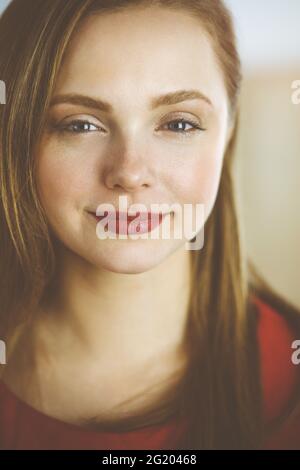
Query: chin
[[130, 259]]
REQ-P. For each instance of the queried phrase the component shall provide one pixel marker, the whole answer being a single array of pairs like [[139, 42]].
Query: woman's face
[[135, 145]]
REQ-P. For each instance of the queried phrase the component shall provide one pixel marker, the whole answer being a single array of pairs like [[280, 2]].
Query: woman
[[131, 343]]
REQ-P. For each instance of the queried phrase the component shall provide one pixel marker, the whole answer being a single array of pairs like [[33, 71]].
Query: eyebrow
[[162, 100]]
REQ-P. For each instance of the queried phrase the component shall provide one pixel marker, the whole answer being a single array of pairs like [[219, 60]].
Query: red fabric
[[23, 427], [279, 375]]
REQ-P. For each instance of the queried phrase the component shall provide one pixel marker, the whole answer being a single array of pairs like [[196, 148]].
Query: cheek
[[204, 180], [62, 181], [199, 177], [200, 187]]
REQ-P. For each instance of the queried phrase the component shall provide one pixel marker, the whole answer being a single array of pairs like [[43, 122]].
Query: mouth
[[123, 223]]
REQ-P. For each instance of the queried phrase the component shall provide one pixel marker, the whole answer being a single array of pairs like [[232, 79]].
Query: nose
[[128, 172]]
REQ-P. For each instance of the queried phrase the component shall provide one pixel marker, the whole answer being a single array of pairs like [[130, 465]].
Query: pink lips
[[126, 224]]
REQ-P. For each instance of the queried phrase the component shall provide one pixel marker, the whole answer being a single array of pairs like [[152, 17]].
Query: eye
[[182, 124], [78, 127]]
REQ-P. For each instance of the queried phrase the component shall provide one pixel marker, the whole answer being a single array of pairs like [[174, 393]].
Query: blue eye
[[78, 127], [182, 129]]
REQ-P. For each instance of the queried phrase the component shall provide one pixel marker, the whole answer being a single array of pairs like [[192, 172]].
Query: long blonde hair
[[221, 392]]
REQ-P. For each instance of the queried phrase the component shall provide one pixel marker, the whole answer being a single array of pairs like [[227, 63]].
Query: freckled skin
[[126, 59]]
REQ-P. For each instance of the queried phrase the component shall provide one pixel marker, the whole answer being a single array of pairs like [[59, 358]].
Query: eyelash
[[66, 128]]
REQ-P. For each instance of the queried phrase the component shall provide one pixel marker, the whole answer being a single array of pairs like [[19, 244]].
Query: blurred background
[[267, 166], [268, 154]]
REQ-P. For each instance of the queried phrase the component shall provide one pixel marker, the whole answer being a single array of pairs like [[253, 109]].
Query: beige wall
[[268, 177]]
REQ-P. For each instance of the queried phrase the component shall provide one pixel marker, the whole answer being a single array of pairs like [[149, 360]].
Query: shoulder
[[279, 376]]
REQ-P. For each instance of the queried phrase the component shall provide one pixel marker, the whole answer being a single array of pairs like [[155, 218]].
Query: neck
[[122, 314]]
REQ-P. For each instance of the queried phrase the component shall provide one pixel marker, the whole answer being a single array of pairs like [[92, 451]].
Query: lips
[[141, 222]]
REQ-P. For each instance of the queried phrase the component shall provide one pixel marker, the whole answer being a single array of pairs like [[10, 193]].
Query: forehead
[[140, 52]]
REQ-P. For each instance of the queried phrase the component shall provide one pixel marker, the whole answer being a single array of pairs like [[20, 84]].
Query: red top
[[23, 427]]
